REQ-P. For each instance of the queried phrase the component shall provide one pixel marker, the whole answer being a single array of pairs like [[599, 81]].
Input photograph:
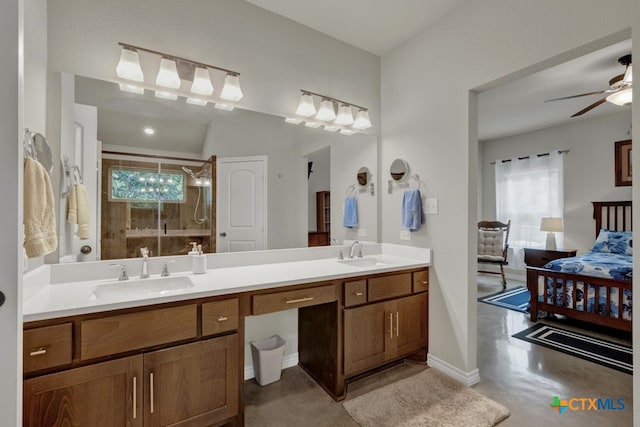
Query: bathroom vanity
[[176, 358]]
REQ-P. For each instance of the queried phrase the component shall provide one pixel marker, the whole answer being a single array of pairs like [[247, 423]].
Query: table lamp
[[551, 225]]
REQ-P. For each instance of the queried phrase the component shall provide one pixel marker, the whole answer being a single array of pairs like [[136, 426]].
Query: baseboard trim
[[288, 361], [466, 378]]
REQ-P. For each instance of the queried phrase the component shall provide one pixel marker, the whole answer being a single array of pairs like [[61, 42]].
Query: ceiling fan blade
[[577, 96], [590, 107]]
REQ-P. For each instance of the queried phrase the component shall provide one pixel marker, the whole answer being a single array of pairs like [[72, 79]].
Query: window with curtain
[[527, 190]]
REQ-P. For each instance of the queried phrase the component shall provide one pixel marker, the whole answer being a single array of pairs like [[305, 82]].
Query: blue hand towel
[[350, 219], [412, 214]]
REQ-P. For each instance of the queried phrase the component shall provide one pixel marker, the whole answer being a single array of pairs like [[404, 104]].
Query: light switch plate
[[362, 232], [405, 235], [431, 206]]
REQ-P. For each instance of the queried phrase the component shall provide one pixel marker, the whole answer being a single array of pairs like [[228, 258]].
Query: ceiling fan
[[620, 89]]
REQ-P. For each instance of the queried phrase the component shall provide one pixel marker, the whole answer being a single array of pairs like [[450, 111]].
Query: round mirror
[[363, 176], [42, 151], [399, 169]]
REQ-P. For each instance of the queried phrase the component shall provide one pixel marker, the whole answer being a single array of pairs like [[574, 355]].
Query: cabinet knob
[[359, 294]]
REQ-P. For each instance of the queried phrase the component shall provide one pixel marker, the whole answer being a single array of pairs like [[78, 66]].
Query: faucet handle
[[165, 268], [144, 251], [340, 256], [123, 272], [360, 251]]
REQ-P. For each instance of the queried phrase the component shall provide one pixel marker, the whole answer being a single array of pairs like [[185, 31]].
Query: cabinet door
[[410, 324], [104, 394], [194, 384], [367, 337]]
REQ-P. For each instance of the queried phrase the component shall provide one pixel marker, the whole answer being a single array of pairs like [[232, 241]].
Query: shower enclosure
[[163, 204]]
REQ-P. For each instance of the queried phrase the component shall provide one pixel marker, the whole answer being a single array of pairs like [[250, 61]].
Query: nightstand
[[539, 257]]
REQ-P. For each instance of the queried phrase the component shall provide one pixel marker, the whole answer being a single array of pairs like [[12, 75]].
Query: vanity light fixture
[[225, 107], [362, 120], [343, 121], [196, 101], [201, 82], [173, 70], [313, 125], [326, 112], [125, 87], [345, 115], [306, 107], [231, 90], [293, 120], [129, 65], [168, 75]]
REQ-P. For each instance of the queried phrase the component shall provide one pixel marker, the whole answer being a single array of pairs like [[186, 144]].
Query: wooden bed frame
[[610, 216]]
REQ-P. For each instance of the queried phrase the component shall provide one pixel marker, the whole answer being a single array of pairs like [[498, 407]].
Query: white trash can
[[267, 359]]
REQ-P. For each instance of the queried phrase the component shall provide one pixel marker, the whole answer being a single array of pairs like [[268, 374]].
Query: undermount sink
[[143, 288], [364, 262]]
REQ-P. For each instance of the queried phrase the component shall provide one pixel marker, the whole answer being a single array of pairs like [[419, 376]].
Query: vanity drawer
[[355, 293], [219, 316], [47, 347], [420, 281], [126, 332], [278, 301], [391, 286]]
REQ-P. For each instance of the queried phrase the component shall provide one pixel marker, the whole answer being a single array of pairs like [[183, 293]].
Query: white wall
[[588, 169], [429, 119], [275, 56]]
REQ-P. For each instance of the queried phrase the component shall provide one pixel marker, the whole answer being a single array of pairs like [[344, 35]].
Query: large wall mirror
[[159, 162]]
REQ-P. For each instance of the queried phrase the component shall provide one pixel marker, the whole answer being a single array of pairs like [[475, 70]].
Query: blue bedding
[[610, 265]]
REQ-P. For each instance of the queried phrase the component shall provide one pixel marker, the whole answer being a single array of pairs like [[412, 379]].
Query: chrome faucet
[[340, 256], [145, 263], [123, 272], [353, 246]]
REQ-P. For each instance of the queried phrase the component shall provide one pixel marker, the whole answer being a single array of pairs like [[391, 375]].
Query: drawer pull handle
[[293, 301], [135, 398], [38, 352], [425, 282], [359, 294], [151, 391], [222, 319], [397, 323]]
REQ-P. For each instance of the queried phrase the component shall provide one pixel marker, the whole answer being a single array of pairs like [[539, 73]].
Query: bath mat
[[514, 299], [429, 398]]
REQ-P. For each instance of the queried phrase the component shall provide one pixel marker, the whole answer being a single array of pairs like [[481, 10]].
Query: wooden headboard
[[612, 216]]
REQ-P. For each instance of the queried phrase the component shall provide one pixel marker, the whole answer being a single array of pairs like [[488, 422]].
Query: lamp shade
[[551, 224], [621, 97], [231, 90], [345, 116], [168, 74], [362, 120], [129, 66], [306, 107], [201, 82], [326, 111]]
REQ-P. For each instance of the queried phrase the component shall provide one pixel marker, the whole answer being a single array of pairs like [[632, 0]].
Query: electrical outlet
[[431, 206], [405, 235], [362, 232]]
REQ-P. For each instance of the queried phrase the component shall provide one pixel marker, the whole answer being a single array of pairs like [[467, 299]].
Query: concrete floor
[[523, 377]]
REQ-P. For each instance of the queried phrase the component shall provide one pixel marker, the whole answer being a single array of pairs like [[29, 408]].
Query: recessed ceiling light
[[149, 131]]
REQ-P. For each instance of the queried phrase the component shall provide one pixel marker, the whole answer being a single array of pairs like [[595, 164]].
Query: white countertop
[[231, 273]]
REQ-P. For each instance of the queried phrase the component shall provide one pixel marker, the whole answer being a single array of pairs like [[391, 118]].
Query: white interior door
[[241, 204]]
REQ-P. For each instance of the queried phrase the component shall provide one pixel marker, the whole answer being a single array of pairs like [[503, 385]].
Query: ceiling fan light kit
[[620, 89]]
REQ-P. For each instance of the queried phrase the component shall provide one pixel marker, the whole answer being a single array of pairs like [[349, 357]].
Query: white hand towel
[[78, 210], [40, 237]]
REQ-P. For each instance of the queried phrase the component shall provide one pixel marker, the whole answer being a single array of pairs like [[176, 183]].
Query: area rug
[[603, 352], [429, 398], [514, 299]]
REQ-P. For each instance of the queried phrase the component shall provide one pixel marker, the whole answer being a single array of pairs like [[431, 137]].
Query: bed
[[594, 287]]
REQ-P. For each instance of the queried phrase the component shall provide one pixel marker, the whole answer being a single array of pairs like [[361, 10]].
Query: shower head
[[189, 171]]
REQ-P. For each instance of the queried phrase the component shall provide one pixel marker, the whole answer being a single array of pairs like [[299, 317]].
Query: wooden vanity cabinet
[[163, 383], [104, 394], [380, 332]]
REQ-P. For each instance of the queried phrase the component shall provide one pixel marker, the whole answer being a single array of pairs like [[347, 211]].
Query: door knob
[[223, 234]]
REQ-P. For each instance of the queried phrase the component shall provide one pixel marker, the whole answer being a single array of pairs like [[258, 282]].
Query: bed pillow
[[614, 242]]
